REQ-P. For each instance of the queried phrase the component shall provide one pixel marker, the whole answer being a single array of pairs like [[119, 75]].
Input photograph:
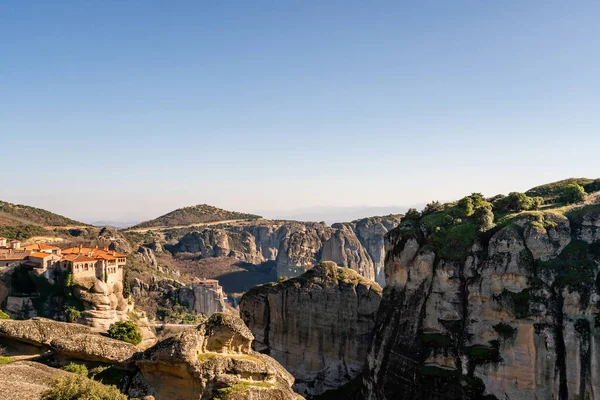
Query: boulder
[[93, 347], [26, 380]]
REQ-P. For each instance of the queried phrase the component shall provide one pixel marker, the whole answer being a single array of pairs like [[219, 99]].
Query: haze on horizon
[[123, 111]]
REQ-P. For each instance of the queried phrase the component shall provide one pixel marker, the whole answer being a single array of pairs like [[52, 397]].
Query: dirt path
[[161, 228]]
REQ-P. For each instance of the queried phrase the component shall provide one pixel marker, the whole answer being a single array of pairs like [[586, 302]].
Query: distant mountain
[[199, 214], [115, 224], [332, 214]]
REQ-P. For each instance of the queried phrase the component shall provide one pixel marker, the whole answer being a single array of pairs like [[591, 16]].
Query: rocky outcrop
[[509, 313], [345, 250], [104, 305], [297, 246], [318, 325], [202, 297], [39, 331], [214, 360], [93, 347], [67, 340], [26, 380]]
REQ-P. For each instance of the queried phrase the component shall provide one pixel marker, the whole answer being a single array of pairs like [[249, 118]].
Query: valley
[[484, 297]]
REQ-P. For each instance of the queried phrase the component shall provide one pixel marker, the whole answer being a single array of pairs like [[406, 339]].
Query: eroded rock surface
[[297, 246], [509, 314], [318, 325], [26, 380], [215, 360], [67, 340]]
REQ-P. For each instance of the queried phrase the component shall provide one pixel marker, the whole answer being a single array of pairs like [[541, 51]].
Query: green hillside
[[18, 221], [199, 214], [451, 229]]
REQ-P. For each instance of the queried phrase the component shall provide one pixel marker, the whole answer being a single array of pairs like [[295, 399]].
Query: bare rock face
[[345, 250], [26, 380], [513, 317], [318, 325], [212, 361], [201, 298], [297, 246], [104, 305]]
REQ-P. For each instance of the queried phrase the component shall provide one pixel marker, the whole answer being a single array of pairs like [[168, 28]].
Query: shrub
[[514, 202], [412, 215], [5, 360], [573, 193], [466, 206], [4, 315], [126, 331], [433, 207], [79, 369], [79, 387], [72, 314]]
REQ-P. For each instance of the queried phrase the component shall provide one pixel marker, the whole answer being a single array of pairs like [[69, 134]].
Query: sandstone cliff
[[215, 360], [472, 310], [296, 246], [318, 325], [201, 298]]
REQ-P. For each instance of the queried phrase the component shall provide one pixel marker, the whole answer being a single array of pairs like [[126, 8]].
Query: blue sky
[[128, 109]]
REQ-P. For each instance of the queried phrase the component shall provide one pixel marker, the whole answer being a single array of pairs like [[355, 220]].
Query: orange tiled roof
[[93, 252], [78, 258], [38, 254], [40, 246], [13, 255]]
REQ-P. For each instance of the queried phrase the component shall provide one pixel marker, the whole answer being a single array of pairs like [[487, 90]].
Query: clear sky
[[128, 109]]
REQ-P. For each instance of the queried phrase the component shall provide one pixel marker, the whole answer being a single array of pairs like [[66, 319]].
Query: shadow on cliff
[[248, 276]]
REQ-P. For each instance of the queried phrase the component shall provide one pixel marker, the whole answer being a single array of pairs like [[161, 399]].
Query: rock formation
[[67, 341], [318, 325], [202, 297], [26, 380], [504, 313], [297, 246], [215, 360], [104, 305]]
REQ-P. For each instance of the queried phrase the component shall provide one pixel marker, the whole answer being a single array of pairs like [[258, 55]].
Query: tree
[[466, 206], [573, 193], [433, 207], [412, 215], [514, 202], [126, 331], [126, 285]]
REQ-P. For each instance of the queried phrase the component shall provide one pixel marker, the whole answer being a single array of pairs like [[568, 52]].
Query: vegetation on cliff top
[[199, 214], [450, 230]]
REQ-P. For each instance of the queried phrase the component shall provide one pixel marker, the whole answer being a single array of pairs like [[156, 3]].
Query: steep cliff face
[[318, 325], [200, 298], [297, 246], [473, 310]]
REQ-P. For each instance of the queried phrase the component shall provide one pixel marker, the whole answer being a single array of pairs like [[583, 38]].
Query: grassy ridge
[[202, 213]]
